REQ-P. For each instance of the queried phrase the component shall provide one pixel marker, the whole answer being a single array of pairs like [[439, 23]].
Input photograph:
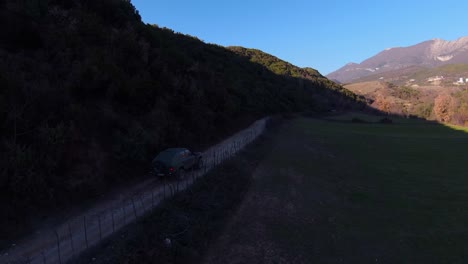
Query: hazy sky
[[324, 35]]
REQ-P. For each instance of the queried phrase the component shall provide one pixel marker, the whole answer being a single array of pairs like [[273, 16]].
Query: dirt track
[[107, 216]]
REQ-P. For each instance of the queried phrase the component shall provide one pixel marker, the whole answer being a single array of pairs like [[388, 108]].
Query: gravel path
[[107, 216]]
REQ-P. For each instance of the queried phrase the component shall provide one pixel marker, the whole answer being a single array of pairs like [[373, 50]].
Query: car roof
[[174, 149], [168, 154]]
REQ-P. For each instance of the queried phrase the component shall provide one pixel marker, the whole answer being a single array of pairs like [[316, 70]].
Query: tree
[[382, 104], [444, 107]]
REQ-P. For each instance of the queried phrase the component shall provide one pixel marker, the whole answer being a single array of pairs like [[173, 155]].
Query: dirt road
[[88, 228]]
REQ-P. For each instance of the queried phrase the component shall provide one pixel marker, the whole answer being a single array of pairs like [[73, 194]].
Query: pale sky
[[324, 35]]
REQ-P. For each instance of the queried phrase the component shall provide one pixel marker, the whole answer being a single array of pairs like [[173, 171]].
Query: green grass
[[362, 193], [321, 192], [460, 128]]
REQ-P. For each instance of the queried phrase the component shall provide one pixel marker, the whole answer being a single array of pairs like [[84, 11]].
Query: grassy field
[[348, 117], [460, 128], [341, 192]]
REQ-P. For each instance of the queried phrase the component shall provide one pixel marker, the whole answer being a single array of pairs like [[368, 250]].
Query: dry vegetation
[[444, 104]]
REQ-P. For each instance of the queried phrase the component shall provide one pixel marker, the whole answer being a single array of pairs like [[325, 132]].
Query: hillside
[[90, 94], [427, 54], [306, 78], [443, 104], [393, 99]]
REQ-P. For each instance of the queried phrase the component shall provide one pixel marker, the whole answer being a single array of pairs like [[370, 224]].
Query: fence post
[[124, 215], [58, 246], [134, 208], [71, 239], [142, 203], [100, 229], [113, 222], [85, 231]]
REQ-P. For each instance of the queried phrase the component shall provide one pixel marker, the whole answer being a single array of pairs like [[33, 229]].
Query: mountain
[[428, 54], [89, 94]]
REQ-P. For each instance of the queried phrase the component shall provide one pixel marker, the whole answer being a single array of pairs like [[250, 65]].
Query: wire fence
[[70, 239]]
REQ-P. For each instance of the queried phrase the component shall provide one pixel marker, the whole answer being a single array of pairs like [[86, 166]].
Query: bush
[[385, 120]]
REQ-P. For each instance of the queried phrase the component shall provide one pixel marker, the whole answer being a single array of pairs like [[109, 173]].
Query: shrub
[[385, 120]]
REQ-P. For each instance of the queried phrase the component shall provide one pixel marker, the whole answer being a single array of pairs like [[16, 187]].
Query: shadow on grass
[[181, 229]]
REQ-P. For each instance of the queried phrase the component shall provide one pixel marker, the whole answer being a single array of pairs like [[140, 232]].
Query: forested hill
[[89, 94], [308, 78], [279, 66]]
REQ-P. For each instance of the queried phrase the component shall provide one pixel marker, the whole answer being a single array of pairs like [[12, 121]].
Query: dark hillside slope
[[89, 94], [308, 79]]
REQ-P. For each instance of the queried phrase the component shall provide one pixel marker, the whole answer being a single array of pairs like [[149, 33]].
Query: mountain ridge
[[430, 53]]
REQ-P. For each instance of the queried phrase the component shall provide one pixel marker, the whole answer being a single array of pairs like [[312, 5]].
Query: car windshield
[[165, 156]]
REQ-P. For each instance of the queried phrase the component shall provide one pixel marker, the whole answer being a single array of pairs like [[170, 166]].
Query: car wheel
[[181, 173]]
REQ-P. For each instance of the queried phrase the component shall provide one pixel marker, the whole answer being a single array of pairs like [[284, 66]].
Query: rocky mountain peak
[[441, 50], [431, 53]]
